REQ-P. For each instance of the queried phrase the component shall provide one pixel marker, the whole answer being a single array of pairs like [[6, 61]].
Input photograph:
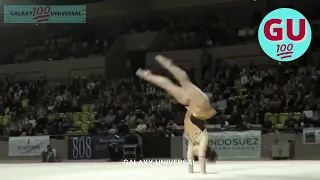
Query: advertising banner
[[28, 145], [233, 144], [311, 135], [102, 144]]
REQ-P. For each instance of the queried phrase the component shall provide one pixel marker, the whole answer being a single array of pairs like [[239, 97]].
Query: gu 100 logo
[[284, 34]]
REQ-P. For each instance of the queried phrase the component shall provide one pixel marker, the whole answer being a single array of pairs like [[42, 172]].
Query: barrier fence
[[228, 144]]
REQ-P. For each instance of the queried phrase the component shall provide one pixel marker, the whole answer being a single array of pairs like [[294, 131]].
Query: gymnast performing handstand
[[195, 101]]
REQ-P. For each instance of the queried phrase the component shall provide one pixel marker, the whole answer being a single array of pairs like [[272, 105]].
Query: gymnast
[[195, 101]]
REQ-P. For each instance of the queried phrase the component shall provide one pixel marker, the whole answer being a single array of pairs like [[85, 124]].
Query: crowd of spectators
[[277, 97], [87, 105]]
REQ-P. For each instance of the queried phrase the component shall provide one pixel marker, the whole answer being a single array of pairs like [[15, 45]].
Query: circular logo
[[284, 34]]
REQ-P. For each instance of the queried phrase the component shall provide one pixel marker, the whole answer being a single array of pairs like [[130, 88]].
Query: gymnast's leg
[[177, 92], [176, 71], [197, 97]]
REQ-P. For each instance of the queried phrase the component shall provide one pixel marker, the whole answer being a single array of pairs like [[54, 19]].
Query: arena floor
[[241, 170]]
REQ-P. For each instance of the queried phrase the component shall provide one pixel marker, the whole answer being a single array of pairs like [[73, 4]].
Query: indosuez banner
[[28, 145], [233, 144]]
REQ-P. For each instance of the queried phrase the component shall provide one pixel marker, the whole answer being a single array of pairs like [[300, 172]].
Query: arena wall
[[55, 70], [162, 147], [243, 55]]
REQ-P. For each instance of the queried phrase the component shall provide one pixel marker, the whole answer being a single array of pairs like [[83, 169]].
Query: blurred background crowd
[[275, 97]]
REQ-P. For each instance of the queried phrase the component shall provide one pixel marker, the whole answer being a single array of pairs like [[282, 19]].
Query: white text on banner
[[28, 145]]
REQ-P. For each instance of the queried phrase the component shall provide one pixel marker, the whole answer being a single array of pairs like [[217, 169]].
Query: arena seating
[[82, 121]]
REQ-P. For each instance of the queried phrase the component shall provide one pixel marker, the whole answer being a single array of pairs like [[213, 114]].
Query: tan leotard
[[194, 125]]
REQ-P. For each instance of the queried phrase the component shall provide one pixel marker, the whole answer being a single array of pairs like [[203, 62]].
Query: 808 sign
[[80, 147]]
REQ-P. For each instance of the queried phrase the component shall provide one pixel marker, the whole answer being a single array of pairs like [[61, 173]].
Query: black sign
[[92, 147], [102, 145], [81, 147]]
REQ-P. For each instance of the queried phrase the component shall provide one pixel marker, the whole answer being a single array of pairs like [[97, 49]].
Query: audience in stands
[[267, 99]]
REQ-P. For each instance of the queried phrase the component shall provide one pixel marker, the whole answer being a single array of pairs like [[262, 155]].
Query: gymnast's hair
[[211, 154]]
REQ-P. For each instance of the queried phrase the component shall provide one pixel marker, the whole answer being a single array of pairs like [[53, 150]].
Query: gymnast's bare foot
[[163, 61], [143, 73]]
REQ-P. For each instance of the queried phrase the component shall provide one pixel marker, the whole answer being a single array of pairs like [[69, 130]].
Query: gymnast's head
[[211, 154]]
